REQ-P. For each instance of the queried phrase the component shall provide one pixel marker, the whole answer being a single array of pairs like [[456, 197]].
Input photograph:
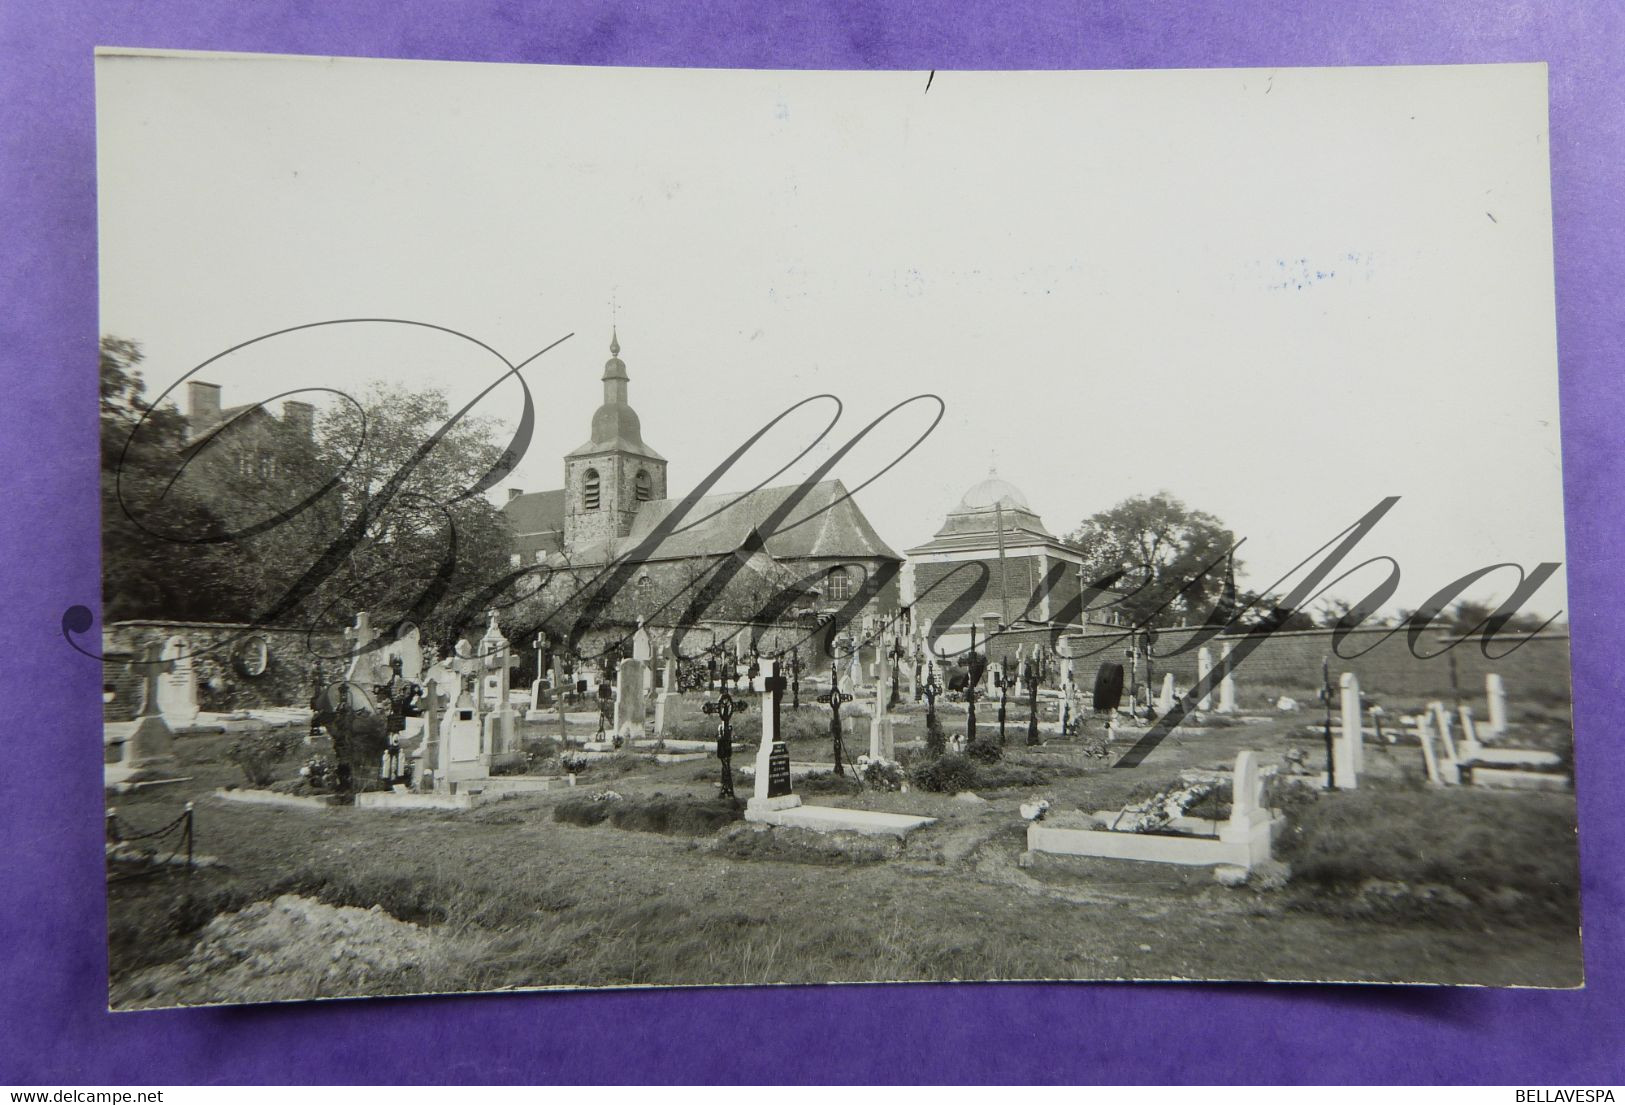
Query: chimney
[[299, 417], [202, 402], [514, 493]]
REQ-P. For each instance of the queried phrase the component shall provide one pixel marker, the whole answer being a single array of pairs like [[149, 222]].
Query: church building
[[616, 493]]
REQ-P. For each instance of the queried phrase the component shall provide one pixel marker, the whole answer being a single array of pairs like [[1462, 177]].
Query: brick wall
[[1021, 575]]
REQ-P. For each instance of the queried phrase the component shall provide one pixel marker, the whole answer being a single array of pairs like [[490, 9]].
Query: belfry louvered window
[[589, 490], [645, 486]]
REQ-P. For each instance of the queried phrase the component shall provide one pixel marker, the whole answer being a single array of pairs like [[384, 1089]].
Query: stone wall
[[223, 683], [1290, 662]]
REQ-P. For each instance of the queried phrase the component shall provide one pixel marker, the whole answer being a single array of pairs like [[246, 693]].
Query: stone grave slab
[[833, 819]]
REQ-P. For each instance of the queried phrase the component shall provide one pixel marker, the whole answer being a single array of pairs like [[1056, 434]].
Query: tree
[[347, 519], [1172, 558], [394, 535], [151, 567]]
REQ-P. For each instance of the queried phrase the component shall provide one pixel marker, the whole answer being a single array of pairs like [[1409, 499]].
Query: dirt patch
[[288, 949]]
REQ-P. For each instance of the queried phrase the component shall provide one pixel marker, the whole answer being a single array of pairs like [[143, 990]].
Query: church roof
[[826, 523], [616, 427], [536, 512], [989, 507]]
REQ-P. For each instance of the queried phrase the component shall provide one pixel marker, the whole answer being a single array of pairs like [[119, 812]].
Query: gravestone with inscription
[[177, 688], [630, 679], [773, 791]]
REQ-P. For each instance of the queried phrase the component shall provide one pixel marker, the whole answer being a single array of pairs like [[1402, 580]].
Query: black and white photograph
[[571, 527]]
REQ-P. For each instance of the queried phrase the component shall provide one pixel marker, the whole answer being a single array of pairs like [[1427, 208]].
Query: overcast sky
[[1279, 295]]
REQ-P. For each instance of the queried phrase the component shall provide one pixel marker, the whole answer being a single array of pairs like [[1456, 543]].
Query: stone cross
[[772, 790], [1495, 690], [363, 669], [1204, 666], [151, 739], [177, 690]]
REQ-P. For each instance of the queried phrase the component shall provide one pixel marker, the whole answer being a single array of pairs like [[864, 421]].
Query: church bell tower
[[607, 478]]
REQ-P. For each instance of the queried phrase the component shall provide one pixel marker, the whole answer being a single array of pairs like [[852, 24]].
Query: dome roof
[[993, 492]]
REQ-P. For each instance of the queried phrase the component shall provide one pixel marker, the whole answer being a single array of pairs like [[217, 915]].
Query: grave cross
[[833, 700], [150, 667], [724, 709], [1326, 696], [1034, 677]]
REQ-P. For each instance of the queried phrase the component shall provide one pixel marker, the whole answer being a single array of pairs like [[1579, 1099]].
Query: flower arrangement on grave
[[573, 763], [880, 773], [319, 771], [604, 796], [1157, 812]]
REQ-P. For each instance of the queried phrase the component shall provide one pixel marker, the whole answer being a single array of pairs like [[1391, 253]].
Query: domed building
[[993, 538], [814, 540]]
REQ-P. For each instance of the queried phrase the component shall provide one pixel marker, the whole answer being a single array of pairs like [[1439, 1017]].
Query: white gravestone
[[882, 740], [501, 723], [763, 800], [1495, 690], [1165, 700], [631, 678], [1348, 749], [408, 647], [1247, 809], [463, 755], [1227, 685], [668, 688], [1451, 762], [1204, 667], [1430, 756], [151, 741], [177, 687], [368, 666]]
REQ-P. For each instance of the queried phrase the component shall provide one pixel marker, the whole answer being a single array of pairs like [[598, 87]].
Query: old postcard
[[572, 527]]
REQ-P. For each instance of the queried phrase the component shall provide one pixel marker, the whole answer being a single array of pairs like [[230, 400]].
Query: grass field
[[1393, 883]]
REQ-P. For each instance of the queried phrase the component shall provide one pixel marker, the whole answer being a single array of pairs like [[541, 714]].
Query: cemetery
[[779, 822], [607, 766]]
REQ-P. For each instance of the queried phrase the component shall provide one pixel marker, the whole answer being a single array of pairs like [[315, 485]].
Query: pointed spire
[[614, 341]]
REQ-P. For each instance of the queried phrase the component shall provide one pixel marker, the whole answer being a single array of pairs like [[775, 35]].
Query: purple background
[[52, 929]]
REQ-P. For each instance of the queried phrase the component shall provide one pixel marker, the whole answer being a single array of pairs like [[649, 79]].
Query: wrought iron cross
[[833, 700]]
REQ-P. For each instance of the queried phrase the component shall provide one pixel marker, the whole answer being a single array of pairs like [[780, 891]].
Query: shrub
[[672, 816], [947, 774], [936, 741], [258, 753], [827, 782], [998, 776], [984, 750], [880, 774]]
